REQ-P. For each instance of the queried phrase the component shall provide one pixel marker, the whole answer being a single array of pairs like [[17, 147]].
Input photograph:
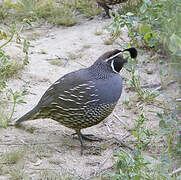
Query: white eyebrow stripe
[[113, 56]]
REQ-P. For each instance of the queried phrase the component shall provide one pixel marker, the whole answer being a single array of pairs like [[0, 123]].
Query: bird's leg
[[81, 141], [90, 137]]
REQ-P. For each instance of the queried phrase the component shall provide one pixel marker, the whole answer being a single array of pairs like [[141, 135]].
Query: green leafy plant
[[157, 23], [131, 6], [60, 14], [12, 157], [8, 101], [169, 128], [120, 21], [131, 166], [165, 18], [64, 16], [143, 95], [134, 166], [141, 133], [26, 45], [88, 7], [139, 165], [4, 12], [8, 98], [148, 35], [17, 98], [9, 66]]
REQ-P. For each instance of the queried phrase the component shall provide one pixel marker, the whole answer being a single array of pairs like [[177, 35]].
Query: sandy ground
[[51, 146]]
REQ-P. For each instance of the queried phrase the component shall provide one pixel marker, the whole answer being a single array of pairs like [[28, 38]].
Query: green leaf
[[174, 43], [21, 101], [26, 61], [4, 36], [155, 35], [147, 36], [26, 45], [145, 28], [143, 8], [148, 2], [163, 124], [129, 14], [134, 133], [16, 95], [178, 53]]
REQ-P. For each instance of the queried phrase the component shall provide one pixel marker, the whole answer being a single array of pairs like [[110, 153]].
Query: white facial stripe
[[112, 65], [113, 56]]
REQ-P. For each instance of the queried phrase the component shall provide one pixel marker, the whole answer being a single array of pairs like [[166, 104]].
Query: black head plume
[[113, 60], [133, 52]]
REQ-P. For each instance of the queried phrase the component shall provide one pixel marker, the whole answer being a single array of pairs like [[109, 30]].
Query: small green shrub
[[163, 17], [17, 174], [155, 28], [25, 6], [139, 165], [12, 157], [63, 14], [170, 128], [50, 174], [143, 95], [8, 67], [88, 7], [131, 166], [4, 12], [8, 102], [130, 6], [59, 13], [8, 98]]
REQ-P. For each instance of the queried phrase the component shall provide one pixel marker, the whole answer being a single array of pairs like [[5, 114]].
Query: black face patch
[[118, 63]]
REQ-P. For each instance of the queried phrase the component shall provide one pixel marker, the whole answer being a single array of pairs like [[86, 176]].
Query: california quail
[[85, 97], [104, 4]]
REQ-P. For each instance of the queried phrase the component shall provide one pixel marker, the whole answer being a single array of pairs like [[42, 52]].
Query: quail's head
[[114, 60]]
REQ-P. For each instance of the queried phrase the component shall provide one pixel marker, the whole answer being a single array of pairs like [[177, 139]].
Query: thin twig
[[10, 39], [158, 85], [161, 107], [104, 161], [117, 117], [178, 100], [35, 143], [126, 136], [81, 64], [45, 169], [175, 171], [99, 172], [55, 149], [56, 58], [108, 127], [122, 144]]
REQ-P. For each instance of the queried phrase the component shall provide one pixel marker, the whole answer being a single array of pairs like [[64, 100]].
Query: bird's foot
[[88, 137], [91, 137]]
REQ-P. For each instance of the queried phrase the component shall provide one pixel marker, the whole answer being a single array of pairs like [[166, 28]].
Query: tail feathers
[[27, 116]]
